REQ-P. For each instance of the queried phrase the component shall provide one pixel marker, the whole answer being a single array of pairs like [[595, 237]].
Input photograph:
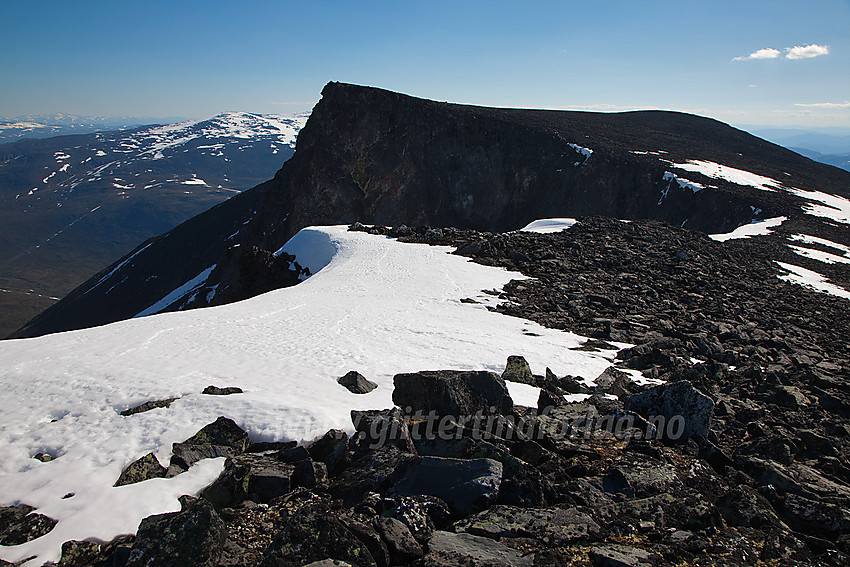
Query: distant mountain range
[[33, 126], [73, 204], [826, 145]]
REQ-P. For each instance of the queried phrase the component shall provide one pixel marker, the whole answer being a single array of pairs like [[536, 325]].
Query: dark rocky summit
[[375, 156]]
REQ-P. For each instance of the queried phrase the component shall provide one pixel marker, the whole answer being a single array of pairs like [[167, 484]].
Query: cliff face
[[376, 156]]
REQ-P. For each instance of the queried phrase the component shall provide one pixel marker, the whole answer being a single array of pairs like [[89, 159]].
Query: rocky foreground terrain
[[739, 457]]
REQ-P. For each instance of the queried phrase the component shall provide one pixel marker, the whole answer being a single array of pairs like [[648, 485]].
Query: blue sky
[[195, 59]]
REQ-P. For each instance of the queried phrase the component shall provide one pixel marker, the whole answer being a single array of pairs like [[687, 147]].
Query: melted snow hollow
[[377, 306]]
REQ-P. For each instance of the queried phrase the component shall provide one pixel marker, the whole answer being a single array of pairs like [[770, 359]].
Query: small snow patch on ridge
[[312, 247], [822, 204], [811, 280], [738, 176], [586, 152], [819, 255], [545, 226], [755, 228], [806, 239], [178, 293], [683, 183]]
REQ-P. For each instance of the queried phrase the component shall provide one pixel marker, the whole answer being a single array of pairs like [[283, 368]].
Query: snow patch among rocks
[[378, 306], [739, 176], [545, 226], [755, 228], [811, 280]]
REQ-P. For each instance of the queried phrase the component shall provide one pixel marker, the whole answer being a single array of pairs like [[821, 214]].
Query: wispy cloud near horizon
[[845, 104], [797, 52]]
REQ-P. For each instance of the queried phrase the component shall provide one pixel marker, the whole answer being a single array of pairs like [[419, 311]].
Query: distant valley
[[74, 204]]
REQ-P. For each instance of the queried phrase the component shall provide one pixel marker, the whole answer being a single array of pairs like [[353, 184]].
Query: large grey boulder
[[518, 370], [555, 527], [448, 549], [142, 469], [402, 546], [356, 383], [686, 411], [452, 393], [465, 485], [192, 537], [613, 555], [331, 449], [259, 478], [18, 524], [375, 428], [222, 438], [314, 533]]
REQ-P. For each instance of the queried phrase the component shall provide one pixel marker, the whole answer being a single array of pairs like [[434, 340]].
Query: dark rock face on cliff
[[376, 156]]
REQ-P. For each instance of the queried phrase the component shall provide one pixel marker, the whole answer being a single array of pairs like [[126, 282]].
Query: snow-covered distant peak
[[275, 128]]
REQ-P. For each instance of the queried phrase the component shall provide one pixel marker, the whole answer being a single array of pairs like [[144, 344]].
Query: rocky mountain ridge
[[375, 156]]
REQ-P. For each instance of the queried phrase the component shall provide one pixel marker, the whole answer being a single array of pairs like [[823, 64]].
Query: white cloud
[[806, 51], [845, 104], [766, 53], [796, 52]]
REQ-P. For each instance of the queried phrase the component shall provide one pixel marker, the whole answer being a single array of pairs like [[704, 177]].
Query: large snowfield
[[377, 306]]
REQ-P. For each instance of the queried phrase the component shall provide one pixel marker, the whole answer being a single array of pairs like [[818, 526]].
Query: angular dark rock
[[144, 468], [367, 473], [518, 370], [744, 507], [551, 527], [402, 546], [19, 524], [148, 406], [689, 511], [677, 401], [366, 531], [815, 516], [422, 514], [448, 549], [452, 393], [80, 554], [613, 555], [216, 391], [331, 449], [356, 383], [293, 454], [465, 485], [314, 533], [615, 382], [377, 427], [310, 474], [259, 478], [191, 537], [222, 438], [547, 400]]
